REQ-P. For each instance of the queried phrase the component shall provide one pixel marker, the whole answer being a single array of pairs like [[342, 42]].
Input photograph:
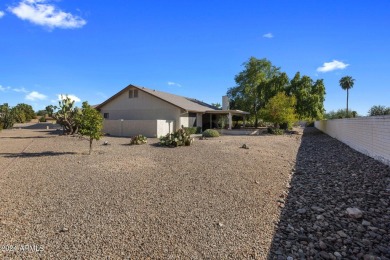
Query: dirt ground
[[211, 200]]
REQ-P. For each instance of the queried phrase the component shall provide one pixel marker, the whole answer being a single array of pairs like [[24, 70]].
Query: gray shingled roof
[[188, 104]]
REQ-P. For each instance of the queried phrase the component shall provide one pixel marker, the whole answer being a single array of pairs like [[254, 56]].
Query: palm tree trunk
[[347, 100]]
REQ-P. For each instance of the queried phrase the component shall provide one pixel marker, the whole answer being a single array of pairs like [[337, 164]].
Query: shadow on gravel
[[27, 155], [330, 177], [24, 137], [37, 126]]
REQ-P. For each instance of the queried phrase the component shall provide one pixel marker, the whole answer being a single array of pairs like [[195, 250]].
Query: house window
[[133, 93], [106, 115]]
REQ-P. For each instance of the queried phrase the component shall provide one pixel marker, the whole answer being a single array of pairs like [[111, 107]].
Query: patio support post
[[211, 121], [230, 121], [244, 120]]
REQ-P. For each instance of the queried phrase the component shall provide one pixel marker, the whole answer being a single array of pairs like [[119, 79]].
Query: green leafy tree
[[24, 112], [340, 113], [7, 116], [41, 113], [90, 123], [280, 109], [66, 114], [217, 105], [20, 116], [347, 83], [256, 84], [310, 96], [379, 110]]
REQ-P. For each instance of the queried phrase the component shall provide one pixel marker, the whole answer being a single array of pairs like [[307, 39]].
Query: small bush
[[275, 131], [193, 130], [210, 133], [286, 126], [138, 139], [178, 138], [42, 119]]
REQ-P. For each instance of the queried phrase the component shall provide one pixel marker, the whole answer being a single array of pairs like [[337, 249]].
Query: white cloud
[[4, 88], [333, 65], [268, 35], [1, 14], [34, 95], [170, 83], [72, 97], [41, 13], [23, 90]]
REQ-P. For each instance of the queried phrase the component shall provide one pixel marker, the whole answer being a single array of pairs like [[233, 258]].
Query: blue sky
[[93, 49]]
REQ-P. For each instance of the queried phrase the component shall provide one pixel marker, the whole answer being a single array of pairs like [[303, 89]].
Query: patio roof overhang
[[231, 112]]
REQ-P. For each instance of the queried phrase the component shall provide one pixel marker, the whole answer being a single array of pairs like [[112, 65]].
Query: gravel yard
[[329, 178], [211, 200]]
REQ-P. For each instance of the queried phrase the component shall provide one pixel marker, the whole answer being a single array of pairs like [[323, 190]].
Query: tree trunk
[[347, 100], [90, 145]]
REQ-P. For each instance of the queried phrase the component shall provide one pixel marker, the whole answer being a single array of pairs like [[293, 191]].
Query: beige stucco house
[[138, 110]]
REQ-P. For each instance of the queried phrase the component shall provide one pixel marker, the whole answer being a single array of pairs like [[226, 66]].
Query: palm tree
[[346, 83]]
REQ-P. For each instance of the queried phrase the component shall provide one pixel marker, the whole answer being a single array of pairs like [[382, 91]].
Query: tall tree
[[65, 114], [280, 109], [7, 116], [347, 83], [25, 112], [255, 85], [90, 123], [310, 96]]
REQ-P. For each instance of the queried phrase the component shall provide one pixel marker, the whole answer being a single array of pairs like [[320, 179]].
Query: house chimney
[[225, 103]]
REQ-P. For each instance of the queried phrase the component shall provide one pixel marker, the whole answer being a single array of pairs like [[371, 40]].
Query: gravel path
[[329, 178], [211, 200]]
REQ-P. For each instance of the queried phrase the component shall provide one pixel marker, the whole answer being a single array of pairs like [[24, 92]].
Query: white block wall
[[368, 135], [148, 128]]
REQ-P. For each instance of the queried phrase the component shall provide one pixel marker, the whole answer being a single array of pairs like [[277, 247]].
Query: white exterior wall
[[164, 127], [143, 107], [368, 135], [148, 128], [186, 121]]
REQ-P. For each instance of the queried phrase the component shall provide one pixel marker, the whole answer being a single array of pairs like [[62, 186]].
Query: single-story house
[[138, 110]]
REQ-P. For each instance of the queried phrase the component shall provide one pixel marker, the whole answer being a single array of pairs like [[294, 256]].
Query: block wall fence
[[368, 135]]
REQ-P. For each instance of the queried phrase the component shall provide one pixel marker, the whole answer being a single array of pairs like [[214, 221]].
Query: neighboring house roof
[[188, 104]]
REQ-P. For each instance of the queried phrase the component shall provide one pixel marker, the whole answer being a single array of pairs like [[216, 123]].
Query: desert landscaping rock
[[207, 201], [346, 194], [285, 198], [354, 212]]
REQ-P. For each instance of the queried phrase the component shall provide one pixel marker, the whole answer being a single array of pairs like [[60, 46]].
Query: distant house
[[138, 110]]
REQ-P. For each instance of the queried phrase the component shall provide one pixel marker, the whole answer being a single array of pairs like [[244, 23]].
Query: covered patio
[[211, 117]]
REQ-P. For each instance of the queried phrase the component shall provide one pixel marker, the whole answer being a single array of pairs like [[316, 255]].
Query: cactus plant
[[138, 139], [179, 138]]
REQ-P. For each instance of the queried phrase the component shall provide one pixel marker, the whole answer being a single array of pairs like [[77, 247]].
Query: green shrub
[[42, 119], [286, 126], [138, 139], [178, 138], [275, 131], [310, 124], [210, 133], [193, 130]]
